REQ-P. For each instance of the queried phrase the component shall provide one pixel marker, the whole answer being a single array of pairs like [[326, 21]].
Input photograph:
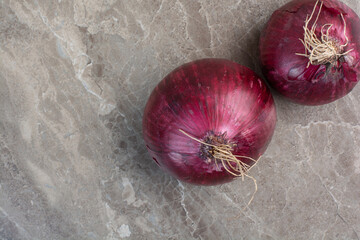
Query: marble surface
[[74, 79]]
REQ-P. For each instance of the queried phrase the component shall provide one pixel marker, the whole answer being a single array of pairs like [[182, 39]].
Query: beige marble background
[[74, 78]]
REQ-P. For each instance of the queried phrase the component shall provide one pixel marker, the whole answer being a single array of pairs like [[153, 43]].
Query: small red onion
[[205, 113], [329, 67]]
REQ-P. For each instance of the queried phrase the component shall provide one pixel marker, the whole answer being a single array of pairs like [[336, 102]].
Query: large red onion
[[209, 101], [310, 76]]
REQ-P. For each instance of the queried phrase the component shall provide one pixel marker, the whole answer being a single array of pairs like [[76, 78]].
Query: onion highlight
[[209, 121], [309, 51]]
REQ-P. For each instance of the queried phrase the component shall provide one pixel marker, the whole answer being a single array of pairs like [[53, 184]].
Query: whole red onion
[[329, 67], [204, 105]]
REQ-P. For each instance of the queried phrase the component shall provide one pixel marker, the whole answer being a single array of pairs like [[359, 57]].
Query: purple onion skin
[[288, 73], [204, 96]]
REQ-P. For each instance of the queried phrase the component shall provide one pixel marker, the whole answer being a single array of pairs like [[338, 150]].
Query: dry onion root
[[324, 50], [223, 153]]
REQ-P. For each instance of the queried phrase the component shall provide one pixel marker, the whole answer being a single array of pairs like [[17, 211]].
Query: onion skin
[[203, 96], [288, 73]]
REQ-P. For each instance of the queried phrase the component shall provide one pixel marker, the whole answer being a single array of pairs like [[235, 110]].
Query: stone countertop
[[74, 79]]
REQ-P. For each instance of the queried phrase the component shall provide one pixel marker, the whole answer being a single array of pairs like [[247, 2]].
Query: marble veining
[[74, 79]]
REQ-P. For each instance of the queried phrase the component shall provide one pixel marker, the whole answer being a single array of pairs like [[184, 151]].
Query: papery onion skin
[[288, 73], [208, 95]]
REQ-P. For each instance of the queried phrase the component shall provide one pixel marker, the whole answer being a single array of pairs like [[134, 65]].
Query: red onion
[[208, 121], [328, 68]]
